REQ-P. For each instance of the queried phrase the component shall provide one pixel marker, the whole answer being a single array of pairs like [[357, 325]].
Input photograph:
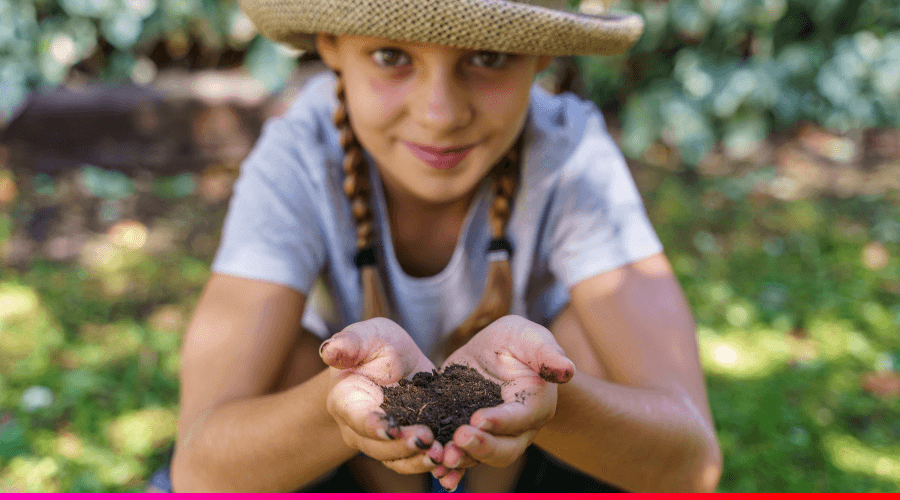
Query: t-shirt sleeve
[[272, 230], [598, 215]]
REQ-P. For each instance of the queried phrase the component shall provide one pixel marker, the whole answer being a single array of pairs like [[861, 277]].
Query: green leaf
[[269, 63], [12, 440]]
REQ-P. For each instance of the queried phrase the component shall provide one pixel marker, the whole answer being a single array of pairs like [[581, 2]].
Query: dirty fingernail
[[421, 445], [322, 347]]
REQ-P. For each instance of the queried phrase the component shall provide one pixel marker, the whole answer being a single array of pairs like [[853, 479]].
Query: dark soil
[[441, 400]]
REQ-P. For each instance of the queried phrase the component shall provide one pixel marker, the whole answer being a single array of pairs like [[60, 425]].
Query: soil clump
[[441, 400]]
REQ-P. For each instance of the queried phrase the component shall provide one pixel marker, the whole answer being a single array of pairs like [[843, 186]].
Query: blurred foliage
[[705, 72], [733, 70], [43, 41], [89, 350]]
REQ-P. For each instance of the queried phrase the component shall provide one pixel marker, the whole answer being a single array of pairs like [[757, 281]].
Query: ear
[[327, 47], [543, 62]]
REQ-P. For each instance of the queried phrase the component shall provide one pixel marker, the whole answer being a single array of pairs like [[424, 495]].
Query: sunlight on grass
[[139, 433], [29, 332], [29, 474], [68, 445], [104, 344], [852, 455], [106, 466], [837, 338], [743, 354]]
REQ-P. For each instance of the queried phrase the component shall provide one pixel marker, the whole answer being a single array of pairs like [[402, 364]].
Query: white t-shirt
[[577, 213]]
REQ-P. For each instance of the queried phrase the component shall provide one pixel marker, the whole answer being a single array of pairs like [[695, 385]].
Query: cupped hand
[[363, 357], [524, 358]]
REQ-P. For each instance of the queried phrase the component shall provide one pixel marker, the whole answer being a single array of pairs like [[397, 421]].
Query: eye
[[389, 58], [492, 60]]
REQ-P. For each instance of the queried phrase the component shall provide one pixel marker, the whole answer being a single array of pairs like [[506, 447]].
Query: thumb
[[552, 365], [343, 350]]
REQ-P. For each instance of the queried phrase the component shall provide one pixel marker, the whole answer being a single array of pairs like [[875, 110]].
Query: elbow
[[709, 474], [187, 474], [706, 471], [183, 475]]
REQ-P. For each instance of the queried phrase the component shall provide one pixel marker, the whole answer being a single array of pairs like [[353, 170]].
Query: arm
[[259, 412], [234, 432], [645, 426]]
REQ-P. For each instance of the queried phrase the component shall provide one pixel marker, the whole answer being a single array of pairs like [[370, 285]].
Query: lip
[[440, 158]]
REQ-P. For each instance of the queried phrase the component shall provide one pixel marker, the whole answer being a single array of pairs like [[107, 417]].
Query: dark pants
[[541, 474]]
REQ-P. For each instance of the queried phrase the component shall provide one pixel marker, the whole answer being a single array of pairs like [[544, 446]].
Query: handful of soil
[[441, 400]]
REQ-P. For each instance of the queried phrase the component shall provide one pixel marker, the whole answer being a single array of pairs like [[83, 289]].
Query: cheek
[[383, 98], [505, 103]]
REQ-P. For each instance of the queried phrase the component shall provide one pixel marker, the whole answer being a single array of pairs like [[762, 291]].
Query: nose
[[443, 102]]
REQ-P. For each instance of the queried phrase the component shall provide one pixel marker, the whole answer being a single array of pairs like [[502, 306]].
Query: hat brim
[[495, 25]]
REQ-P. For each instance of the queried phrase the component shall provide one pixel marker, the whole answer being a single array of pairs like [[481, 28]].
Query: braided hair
[[496, 299]]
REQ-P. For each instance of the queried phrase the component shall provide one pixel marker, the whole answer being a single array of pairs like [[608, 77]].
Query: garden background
[[763, 135]]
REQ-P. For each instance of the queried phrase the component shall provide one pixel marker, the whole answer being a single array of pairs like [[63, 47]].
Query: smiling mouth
[[439, 158]]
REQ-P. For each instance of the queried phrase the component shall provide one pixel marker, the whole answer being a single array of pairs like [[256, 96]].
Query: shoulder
[[566, 136], [316, 100], [563, 113], [303, 140]]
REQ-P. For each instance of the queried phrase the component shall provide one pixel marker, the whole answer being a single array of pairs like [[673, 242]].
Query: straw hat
[[545, 27]]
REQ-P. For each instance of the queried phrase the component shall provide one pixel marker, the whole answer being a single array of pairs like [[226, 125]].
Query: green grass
[[794, 299]]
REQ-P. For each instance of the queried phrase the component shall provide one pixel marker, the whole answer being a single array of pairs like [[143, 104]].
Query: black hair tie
[[500, 245], [365, 257]]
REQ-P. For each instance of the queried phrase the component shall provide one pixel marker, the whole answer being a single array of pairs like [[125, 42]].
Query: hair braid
[[497, 296], [356, 187]]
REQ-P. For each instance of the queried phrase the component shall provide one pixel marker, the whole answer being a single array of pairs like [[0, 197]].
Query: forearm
[[637, 439], [277, 442]]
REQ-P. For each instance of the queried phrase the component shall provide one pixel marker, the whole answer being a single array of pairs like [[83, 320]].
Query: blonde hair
[[497, 296]]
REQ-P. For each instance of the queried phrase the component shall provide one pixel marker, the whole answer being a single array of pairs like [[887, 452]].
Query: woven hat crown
[[545, 27]]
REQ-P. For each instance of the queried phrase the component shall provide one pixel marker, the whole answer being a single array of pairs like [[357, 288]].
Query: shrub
[[732, 71]]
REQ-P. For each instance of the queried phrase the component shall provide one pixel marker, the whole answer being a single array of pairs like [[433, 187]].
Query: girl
[[427, 180]]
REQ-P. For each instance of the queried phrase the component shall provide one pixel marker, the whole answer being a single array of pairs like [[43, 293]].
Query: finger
[[456, 458], [534, 346], [552, 365], [408, 443], [342, 351], [355, 402], [451, 480], [530, 410], [416, 464], [496, 451], [377, 348]]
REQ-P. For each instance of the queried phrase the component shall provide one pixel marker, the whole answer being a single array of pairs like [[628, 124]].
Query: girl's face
[[434, 118]]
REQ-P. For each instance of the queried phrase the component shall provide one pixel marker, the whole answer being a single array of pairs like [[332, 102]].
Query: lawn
[[795, 286]]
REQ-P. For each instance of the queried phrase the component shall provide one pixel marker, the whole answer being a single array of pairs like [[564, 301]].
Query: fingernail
[[322, 347], [421, 445], [485, 426], [469, 440]]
